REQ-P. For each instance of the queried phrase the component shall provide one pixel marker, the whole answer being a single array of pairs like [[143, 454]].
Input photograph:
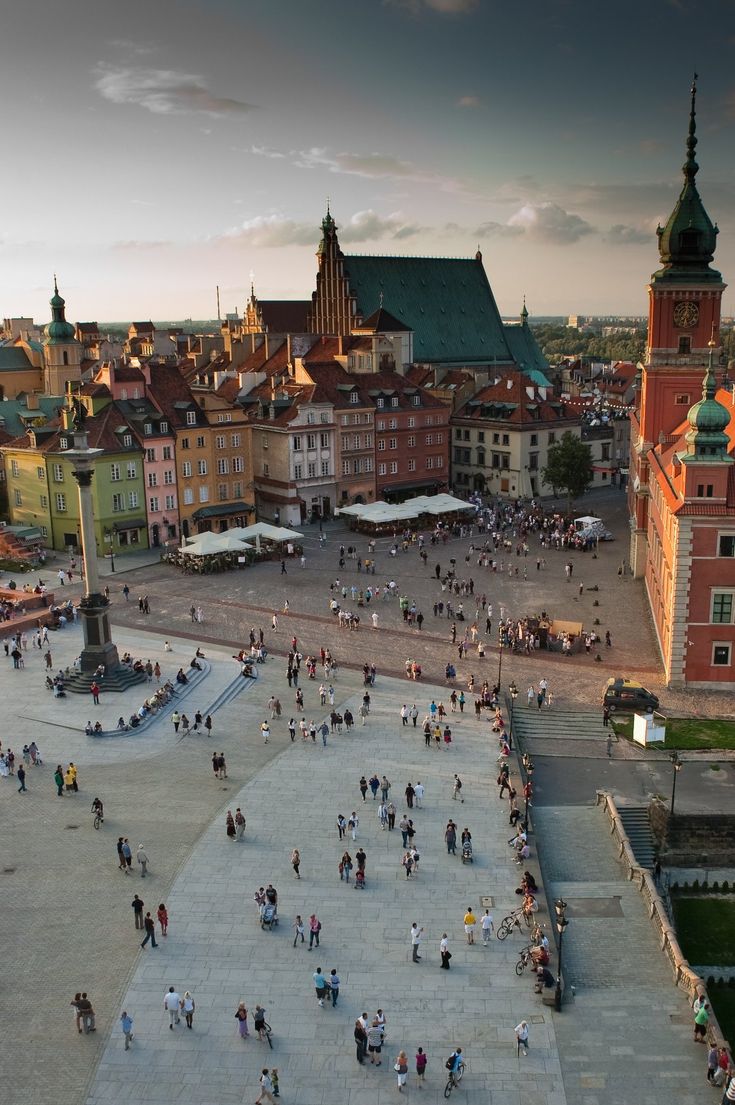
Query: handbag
[[397, 1067]]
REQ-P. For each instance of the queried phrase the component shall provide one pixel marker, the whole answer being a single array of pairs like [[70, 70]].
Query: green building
[[42, 490]]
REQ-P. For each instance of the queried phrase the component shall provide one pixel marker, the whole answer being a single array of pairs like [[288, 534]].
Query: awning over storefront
[[403, 488], [130, 523], [222, 511]]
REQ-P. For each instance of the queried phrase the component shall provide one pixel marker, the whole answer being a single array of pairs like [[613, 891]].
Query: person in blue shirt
[[320, 985], [333, 986], [126, 1023], [456, 1059]]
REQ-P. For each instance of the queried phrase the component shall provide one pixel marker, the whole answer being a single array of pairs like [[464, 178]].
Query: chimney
[[265, 342], [339, 346], [32, 401]]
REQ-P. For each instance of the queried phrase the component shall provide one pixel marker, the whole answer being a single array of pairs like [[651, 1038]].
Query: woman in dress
[[241, 1015], [163, 919], [231, 831], [187, 1008]]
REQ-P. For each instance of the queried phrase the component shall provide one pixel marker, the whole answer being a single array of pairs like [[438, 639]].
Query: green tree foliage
[[569, 468], [564, 341]]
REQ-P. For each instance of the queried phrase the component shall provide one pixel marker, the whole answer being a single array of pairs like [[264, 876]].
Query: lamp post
[[677, 765], [501, 641], [110, 539], [561, 923], [513, 692]]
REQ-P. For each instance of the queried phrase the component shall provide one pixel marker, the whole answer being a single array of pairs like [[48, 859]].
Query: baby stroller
[[467, 852], [268, 915], [359, 879]]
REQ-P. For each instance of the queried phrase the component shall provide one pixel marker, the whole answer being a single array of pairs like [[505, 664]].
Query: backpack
[[450, 1062]]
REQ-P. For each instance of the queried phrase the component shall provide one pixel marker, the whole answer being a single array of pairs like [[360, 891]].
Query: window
[[721, 655], [41, 472], [185, 443], [324, 416], [457, 435], [480, 436], [429, 462], [186, 469], [164, 427], [311, 418], [201, 467], [393, 467], [354, 397], [429, 421], [58, 474], [191, 418], [496, 460], [380, 426], [152, 479], [496, 439], [297, 443], [412, 465], [381, 444], [685, 344], [429, 439], [298, 471], [506, 439], [416, 401], [44, 502], [266, 469], [480, 458], [168, 476], [392, 442], [440, 438], [204, 494], [60, 502], [238, 464], [368, 464], [411, 441], [223, 466], [170, 502], [237, 490], [219, 441], [44, 531], [235, 441], [153, 504], [132, 470], [64, 442], [705, 493], [381, 469], [552, 438], [380, 402], [345, 419], [726, 544], [324, 441], [148, 428], [128, 441], [325, 467], [114, 472], [534, 439], [506, 461], [533, 462], [682, 400], [411, 422], [188, 496], [311, 469], [466, 435], [394, 401], [392, 423], [200, 442], [132, 500], [311, 441], [438, 462], [18, 497], [345, 468], [345, 442], [150, 455], [722, 607], [221, 491], [15, 468], [118, 502], [368, 441]]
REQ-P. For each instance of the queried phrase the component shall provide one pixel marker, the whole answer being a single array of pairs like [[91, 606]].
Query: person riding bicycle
[[259, 1021], [98, 809], [454, 1062]]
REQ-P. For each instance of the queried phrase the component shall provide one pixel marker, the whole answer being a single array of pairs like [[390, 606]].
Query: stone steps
[[638, 827], [530, 722]]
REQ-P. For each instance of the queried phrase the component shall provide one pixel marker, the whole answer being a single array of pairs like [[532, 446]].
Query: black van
[[627, 694]]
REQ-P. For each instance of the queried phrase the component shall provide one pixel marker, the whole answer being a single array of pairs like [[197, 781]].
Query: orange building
[[682, 487]]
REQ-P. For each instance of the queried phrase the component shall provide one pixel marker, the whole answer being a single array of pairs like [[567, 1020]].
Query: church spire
[[524, 313], [690, 166]]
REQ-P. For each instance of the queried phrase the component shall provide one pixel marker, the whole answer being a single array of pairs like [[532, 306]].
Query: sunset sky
[[153, 151]]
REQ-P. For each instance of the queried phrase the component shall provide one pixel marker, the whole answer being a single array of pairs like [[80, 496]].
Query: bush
[[695, 884]]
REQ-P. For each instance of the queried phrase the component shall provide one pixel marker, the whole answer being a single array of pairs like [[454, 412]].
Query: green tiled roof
[[527, 354], [13, 358], [447, 302], [15, 414]]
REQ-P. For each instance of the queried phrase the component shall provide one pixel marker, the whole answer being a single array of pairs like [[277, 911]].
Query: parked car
[[628, 694]]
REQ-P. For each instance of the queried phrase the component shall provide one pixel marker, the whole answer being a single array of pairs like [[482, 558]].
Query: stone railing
[[684, 977]]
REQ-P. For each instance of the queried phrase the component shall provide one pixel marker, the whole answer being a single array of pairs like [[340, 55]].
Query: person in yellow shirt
[[469, 925]]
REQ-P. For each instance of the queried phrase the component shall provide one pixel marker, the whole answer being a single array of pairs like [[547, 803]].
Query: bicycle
[[506, 926], [98, 819], [455, 1077], [524, 960], [268, 1034]]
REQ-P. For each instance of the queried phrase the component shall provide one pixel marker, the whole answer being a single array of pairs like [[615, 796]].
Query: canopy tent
[[265, 531], [209, 544], [395, 512]]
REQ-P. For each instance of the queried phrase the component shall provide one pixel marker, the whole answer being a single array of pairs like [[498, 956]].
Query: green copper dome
[[58, 331], [687, 242], [708, 420]]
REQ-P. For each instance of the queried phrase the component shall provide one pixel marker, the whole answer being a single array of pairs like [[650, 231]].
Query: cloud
[[274, 231], [493, 230], [266, 151], [444, 7], [549, 223], [622, 235], [373, 165], [468, 101], [163, 91]]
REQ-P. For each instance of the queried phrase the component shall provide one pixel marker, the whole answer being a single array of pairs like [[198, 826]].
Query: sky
[[156, 150]]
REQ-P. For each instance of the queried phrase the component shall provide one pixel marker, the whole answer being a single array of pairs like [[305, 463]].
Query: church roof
[[447, 302], [13, 358], [383, 322], [285, 316], [527, 353]]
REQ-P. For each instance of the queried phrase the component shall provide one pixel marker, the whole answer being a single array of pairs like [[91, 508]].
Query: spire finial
[[56, 286], [710, 383], [690, 165], [381, 301]]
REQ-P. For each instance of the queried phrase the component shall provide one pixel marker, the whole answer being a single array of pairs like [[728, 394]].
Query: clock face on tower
[[686, 314]]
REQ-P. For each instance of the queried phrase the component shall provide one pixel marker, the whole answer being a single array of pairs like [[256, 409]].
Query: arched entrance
[[155, 535]]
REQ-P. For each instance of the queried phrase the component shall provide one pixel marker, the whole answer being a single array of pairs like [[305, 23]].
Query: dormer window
[[380, 402], [64, 442], [164, 427], [128, 441], [354, 397], [148, 428], [191, 418], [416, 400], [394, 401]]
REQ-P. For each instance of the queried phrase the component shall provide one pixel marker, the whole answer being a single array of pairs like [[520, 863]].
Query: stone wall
[[692, 840]]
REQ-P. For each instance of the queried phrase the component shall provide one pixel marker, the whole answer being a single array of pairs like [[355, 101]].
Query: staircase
[[531, 723], [638, 827], [13, 547]]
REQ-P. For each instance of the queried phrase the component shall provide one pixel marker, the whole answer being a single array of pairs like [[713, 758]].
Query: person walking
[[345, 866], [296, 862], [320, 985], [375, 1041], [487, 926], [126, 1023], [444, 951], [416, 936], [265, 1080], [150, 931], [172, 1003], [410, 794], [162, 914], [298, 927], [469, 925], [127, 855], [176, 719], [450, 836], [521, 1031], [141, 857], [315, 927], [421, 1062], [137, 905], [401, 1068], [21, 773], [390, 809], [361, 1039], [208, 724], [418, 793], [266, 731], [333, 982], [363, 787], [353, 823], [187, 1008], [239, 823], [241, 1016], [385, 786], [457, 789]]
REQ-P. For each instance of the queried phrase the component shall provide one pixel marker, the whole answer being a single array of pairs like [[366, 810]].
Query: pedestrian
[[230, 825], [457, 788], [320, 985], [416, 935], [266, 731], [521, 1031], [410, 793], [162, 914], [150, 931], [701, 1019], [401, 1068], [418, 793], [353, 823], [375, 1041], [333, 986], [605, 715], [265, 1080], [137, 905], [374, 786], [712, 1063], [171, 1003], [609, 745], [421, 1062], [296, 862], [126, 1023], [208, 724], [21, 778], [469, 925], [141, 857], [241, 1015], [176, 719], [363, 787], [444, 951], [95, 692], [361, 1039], [345, 866], [187, 1008], [487, 926], [283, 568], [127, 855], [239, 823], [450, 837], [315, 927]]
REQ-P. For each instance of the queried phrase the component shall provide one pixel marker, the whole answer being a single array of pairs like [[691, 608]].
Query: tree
[[569, 467]]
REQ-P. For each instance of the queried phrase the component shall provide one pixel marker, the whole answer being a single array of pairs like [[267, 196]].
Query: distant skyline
[[155, 151]]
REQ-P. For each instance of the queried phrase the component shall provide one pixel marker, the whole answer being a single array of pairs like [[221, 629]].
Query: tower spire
[[691, 168]]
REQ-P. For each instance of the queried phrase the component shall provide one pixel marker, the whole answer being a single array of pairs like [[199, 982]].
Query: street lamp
[[513, 692], [501, 640], [677, 765], [561, 923], [110, 538]]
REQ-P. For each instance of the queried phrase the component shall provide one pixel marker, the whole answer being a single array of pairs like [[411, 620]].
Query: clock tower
[[684, 303]]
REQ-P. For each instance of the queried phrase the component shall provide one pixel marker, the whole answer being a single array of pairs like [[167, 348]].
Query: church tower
[[684, 304], [62, 353], [333, 308]]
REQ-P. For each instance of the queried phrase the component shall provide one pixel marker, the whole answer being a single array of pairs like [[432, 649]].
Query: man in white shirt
[[521, 1031], [418, 794], [416, 934], [172, 1003], [486, 923]]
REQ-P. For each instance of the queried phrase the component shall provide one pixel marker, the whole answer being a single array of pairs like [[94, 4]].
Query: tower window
[[66, 357], [682, 400], [689, 241], [685, 344]]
